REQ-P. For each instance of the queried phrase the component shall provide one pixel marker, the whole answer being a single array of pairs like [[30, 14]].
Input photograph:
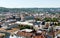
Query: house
[[30, 34], [24, 23]]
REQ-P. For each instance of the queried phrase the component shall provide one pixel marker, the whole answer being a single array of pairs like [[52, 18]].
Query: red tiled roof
[[24, 34], [29, 35], [40, 36]]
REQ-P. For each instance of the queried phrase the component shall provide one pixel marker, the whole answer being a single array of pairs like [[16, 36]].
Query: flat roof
[[25, 23]]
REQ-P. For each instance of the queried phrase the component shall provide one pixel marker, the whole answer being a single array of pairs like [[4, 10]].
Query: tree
[[47, 19], [37, 19], [55, 20], [24, 27]]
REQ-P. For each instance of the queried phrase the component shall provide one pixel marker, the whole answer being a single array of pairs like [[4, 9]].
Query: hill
[[29, 10]]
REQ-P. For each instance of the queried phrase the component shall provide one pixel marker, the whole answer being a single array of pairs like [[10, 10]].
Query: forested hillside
[[30, 10]]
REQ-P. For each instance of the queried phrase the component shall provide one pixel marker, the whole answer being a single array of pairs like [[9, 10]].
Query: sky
[[29, 3]]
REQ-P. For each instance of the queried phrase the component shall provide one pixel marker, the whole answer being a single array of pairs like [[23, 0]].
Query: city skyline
[[30, 3]]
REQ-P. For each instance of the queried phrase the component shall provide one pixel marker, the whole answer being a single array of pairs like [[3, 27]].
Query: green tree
[[47, 19], [55, 20]]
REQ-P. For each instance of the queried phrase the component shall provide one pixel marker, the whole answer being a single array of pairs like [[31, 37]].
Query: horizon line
[[30, 7]]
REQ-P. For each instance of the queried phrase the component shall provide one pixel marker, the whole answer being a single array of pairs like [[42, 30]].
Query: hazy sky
[[29, 3]]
